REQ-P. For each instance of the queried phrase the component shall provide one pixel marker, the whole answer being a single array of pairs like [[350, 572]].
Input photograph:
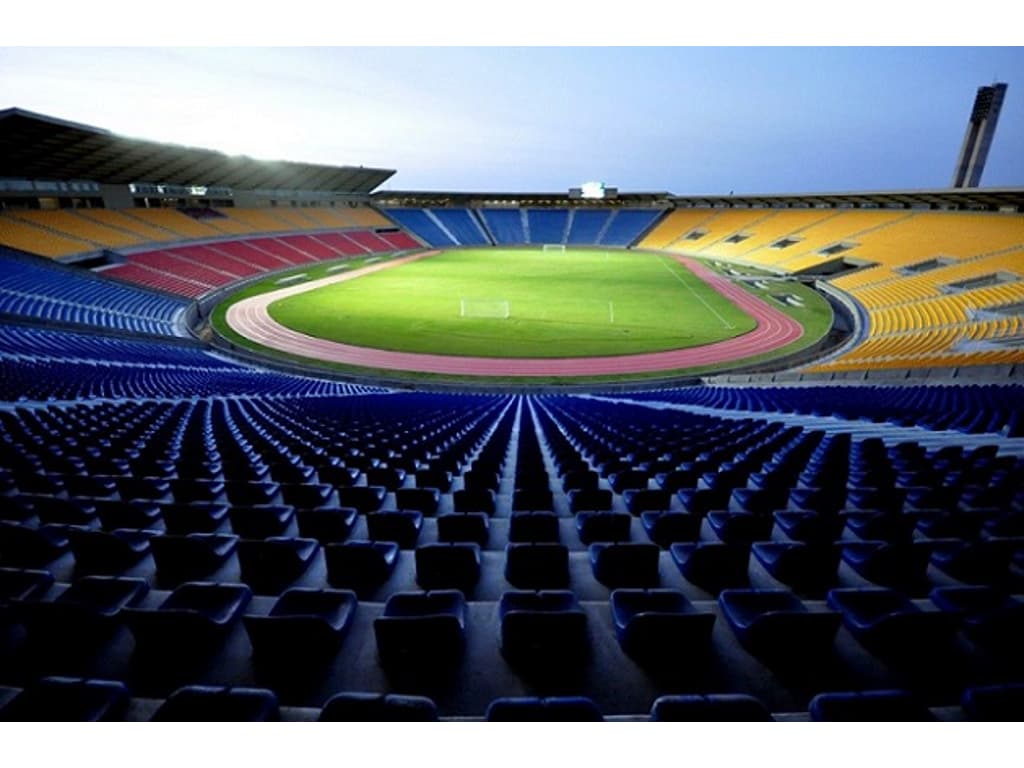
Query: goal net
[[486, 308], [556, 247]]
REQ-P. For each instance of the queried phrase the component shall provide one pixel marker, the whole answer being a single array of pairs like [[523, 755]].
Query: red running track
[[774, 330]]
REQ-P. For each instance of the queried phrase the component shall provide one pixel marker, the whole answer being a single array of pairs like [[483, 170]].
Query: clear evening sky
[[684, 120]]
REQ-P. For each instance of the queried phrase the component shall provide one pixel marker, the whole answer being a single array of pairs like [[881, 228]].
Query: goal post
[[553, 247], [496, 309]]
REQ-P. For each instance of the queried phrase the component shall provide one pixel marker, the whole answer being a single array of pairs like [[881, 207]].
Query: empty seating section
[[299, 538], [259, 219], [967, 408], [183, 226], [78, 231], [671, 233], [514, 226], [193, 270], [626, 226], [505, 225], [184, 536], [16, 233], [462, 224], [36, 290], [420, 222], [546, 226], [245, 529], [912, 261], [41, 364], [587, 226], [117, 220], [364, 216], [80, 227]]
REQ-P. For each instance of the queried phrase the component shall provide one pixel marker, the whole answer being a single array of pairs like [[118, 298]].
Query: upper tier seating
[[60, 233]]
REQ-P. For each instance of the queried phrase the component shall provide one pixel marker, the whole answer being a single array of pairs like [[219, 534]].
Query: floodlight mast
[[981, 127]]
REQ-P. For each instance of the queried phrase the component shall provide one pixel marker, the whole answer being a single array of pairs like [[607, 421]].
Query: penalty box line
[[725, 323]]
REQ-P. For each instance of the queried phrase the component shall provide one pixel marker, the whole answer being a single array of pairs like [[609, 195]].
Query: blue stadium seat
[[989, 616], [270, 565], [68, 699], [361, 566], [546, 628], [807, 569], [481, 500], [868, 706], [304, 626], [207, 703], [24, 546], [590, 500], [557, 709], [377, 708], [107, 552], [639, 501], [448, 566], [994, 703], [194, 618], [421, 628], [364, 499], [775, 623], [889, 624], [328, 525], [603, 526], [713, 566], [23, 583], [87, 611], [190, 557], [709, 708], [530, 527], [537, 566], [423, 500], [668, 528], [400, 526], [618, 565], [473, 527], [660, 625]]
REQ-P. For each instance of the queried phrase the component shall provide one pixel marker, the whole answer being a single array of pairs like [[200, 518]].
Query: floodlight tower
[[980, 129]]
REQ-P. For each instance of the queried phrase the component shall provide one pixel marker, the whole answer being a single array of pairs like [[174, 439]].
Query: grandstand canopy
[[34, 146], [979, 199], [987, 198]]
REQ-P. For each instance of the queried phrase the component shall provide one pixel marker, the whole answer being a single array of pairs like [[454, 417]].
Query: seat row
[[75, 699]]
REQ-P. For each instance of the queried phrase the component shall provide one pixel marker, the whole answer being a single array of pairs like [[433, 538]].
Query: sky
[[686, 120]]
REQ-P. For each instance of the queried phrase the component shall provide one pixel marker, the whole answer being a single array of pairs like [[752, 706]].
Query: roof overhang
[[34, 146]]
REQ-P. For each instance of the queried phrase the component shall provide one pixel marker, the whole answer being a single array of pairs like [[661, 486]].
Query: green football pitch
[[520, 303]]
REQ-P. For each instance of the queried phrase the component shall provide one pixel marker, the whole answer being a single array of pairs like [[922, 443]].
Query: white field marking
[[725, 323], [611, 312]]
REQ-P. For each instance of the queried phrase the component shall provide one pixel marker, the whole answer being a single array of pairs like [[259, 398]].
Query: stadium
[[280, 442]]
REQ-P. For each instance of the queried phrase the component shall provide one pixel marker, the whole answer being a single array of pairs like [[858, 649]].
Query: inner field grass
[[580, 303]]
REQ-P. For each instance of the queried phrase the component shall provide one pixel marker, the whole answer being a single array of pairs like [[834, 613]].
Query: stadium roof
[[982, 198], [986, 198], [34, 146]]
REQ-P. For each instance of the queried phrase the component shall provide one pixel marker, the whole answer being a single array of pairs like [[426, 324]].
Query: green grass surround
[[573, 304]]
